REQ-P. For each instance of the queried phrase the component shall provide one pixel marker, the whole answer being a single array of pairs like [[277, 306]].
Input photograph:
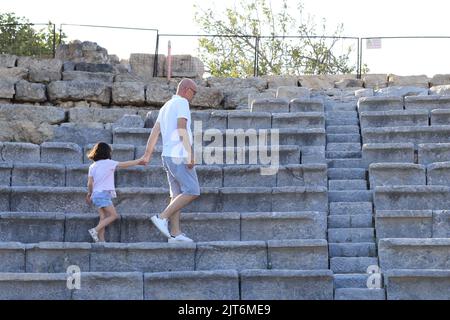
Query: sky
[[361, 18]]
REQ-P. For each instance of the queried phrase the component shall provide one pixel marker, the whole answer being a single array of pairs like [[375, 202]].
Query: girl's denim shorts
[[102, 199]]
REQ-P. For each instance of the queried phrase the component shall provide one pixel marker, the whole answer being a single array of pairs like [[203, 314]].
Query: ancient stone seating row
[[55, 257], [151, 200], [416, 269], [280, 105], [392, 174], [404, 118], [65, 153], [382, 103], [154, 176], [405, 152], [129, 228], [198, 285]]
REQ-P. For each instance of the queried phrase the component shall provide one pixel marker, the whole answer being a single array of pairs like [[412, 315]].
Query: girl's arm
[[131, 163], [90, 186]]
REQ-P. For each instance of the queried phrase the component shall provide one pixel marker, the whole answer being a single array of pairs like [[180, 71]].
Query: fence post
[[155, 63], [54, 41], [358, 66], [256, 61]]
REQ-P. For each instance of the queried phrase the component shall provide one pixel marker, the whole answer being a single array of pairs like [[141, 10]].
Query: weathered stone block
[[287, 92], [441, 224], [393, 118], [298, 254], [302, 175], [270, 105], [94, 67], [300, 199], [415, 81], [306, 105], [30, 92], [7, 60], [92, 91], [41, 70], [143, 257], [103, 115], [402, 91], [13, 74], [5, 203], [404, 223], [87, 76], [380, 104], [139, 200], [301, 137], [196, 285], [417, 284], [56, 257], [143, 65], [387, 152], [428, 103], [286, 285], [45, 199], [7, 90], [440, 79], [237, 255], [246, 120], [283, 225], [5, 173], [134, 136], [391, 174], [440, 117], [12, 257], [21, 152], [39, 174], [247, 176], [31, 227], [416, 135], [253, 199], [443, 90], [61, 153], [207, 98], [433, 152], [209, 120], [34, 286], [142, 177], [110, 286], [185, 66], [82, 134], [412, 198], [297, 120], [128, 93]]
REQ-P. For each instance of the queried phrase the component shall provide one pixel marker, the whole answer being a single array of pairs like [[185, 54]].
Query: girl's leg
[[110, 217], [101, 232]]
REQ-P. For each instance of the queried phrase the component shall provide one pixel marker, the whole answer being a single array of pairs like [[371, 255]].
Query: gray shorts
[[181, 179]]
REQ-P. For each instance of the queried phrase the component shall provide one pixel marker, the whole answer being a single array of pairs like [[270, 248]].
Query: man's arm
[[151, 143], [184, 137]]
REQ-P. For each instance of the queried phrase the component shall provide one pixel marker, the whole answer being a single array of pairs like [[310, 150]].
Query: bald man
[[174, 124]]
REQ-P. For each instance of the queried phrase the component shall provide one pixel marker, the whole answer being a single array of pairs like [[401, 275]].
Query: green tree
[[233, 54], [18, 36]]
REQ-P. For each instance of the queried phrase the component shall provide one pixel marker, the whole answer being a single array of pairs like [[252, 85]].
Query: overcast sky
[[361, 18]]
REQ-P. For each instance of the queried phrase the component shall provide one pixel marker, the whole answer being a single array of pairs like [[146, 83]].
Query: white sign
[[373, 43]]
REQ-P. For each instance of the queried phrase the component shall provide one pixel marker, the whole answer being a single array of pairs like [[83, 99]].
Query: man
[[174, 124]]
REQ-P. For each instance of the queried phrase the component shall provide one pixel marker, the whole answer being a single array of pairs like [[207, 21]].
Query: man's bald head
[[187, 89]]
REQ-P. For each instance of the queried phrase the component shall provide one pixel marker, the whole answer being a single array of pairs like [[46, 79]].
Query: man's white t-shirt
[[102, 172], [177, 107]]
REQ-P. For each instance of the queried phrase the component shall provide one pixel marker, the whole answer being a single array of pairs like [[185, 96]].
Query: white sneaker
[[161, 224], [180, 238], [94, 234]]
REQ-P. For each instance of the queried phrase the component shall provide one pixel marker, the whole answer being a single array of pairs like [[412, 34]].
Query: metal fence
[[41, 40]]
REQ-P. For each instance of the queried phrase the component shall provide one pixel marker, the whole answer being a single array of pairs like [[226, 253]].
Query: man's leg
[[178, 203], [175, 222]]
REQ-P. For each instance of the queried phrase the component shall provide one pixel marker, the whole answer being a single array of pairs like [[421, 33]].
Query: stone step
[[341, 106], [361, 249], [347, 173], [142, 200], [343, 129], [351, 235], [341, 122], [33, 227], [237, 138], [352, 264], [343, 138], [343, 154], [351, 280], [344, 147], [351, 208], [359, 294], [341, 114], [345, 163], [347, 185], [55, 257], [350, 196], [350, 221]]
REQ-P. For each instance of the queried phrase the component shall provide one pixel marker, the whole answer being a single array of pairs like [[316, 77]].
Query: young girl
[[101, 188]]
